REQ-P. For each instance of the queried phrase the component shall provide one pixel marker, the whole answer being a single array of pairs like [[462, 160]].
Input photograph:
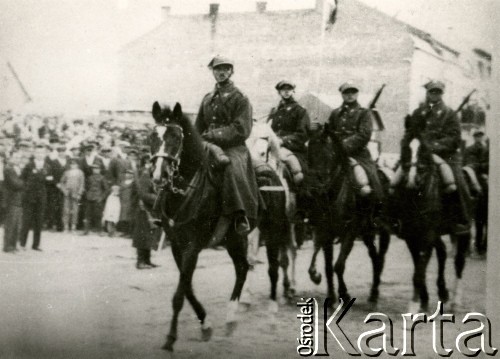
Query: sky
[[65, 51]]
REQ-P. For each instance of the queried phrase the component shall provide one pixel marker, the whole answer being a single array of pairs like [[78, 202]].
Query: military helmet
[[283, 83], [220, 60]]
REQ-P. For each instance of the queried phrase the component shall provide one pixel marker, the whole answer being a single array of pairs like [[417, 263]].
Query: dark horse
[[337, 211], [189, 206], [419, 204]]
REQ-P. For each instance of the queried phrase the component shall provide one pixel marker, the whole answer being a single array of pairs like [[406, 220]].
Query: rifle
[[465, 101], [372, 105], [376, 97]]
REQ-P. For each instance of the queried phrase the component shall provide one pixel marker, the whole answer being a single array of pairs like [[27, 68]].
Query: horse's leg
[[414, 248], [237, 249], [441, 258], [206, 327], [273, 253], [313, 273], [327, 245], [423, 260], [369, 241], [292, 255], [189, 259], [345, 249], [461, 244], [384, 241]]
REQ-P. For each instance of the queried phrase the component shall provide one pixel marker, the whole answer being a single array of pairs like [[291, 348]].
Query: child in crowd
[[112, 209], [72, 185]]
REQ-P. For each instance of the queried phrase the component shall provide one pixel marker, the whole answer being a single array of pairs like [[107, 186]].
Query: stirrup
[[242, 225]]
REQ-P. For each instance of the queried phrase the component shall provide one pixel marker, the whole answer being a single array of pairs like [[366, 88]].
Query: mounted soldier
[[437, 125], [353, 125], [225, 120], [291, 123]]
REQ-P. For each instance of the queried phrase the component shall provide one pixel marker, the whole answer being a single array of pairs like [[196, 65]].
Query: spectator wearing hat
[[225, 120], [87, 162], [75, 152], [437, 125], [95, 194], [72, 185], [106, 154], [14, 191], [120, 163], [353, 125], [36, 175], [146, 234], [55, 197], [290, 122]]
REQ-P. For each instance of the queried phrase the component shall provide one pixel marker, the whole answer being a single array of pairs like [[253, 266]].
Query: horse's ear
[[177, 110], [156, 111]]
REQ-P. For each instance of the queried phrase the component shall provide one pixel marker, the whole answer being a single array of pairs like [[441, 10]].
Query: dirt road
[[83, 298]]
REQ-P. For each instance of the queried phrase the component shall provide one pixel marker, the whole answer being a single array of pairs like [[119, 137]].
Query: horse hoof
[[372, 305], [168, 346], [206, 334], [230, 328], [315, 277], [414, 307], [345, 297], [444, 296]]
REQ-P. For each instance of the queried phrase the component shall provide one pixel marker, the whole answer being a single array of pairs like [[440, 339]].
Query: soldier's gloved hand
[[207, 135]]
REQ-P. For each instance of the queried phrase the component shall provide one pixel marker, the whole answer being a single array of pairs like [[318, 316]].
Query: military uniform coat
[[225, 119], [439, 128], [353, 125], [291, 123]]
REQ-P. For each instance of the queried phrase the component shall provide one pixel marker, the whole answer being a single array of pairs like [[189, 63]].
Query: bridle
[[173, 162]]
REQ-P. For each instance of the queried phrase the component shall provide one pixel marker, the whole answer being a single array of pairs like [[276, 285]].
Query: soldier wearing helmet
[[225, 120]]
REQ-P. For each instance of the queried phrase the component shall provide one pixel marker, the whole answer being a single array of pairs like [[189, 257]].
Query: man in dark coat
[[120, 164], [13, 190], [36, 175], [353, 125], [95, 195], [55, 198], [291, 123], [437, 126], [477, 157], [146, 234], [225, 119]]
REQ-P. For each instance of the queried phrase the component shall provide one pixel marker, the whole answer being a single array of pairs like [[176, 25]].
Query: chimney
[[165, 12], [213, 10], [261, 6]]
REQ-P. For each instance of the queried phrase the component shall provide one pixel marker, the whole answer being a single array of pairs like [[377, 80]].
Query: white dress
[[112, 209]]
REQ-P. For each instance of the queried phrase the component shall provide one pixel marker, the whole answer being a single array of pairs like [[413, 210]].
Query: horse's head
[[166, 143], [416, 162], [263, 144]]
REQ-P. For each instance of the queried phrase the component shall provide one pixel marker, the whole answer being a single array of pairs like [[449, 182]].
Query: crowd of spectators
[[75, 176]]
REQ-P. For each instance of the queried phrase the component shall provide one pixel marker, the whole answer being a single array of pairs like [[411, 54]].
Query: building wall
[[169, 64]]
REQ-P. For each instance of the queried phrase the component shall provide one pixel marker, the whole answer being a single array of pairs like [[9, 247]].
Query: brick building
[[365, 45]]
